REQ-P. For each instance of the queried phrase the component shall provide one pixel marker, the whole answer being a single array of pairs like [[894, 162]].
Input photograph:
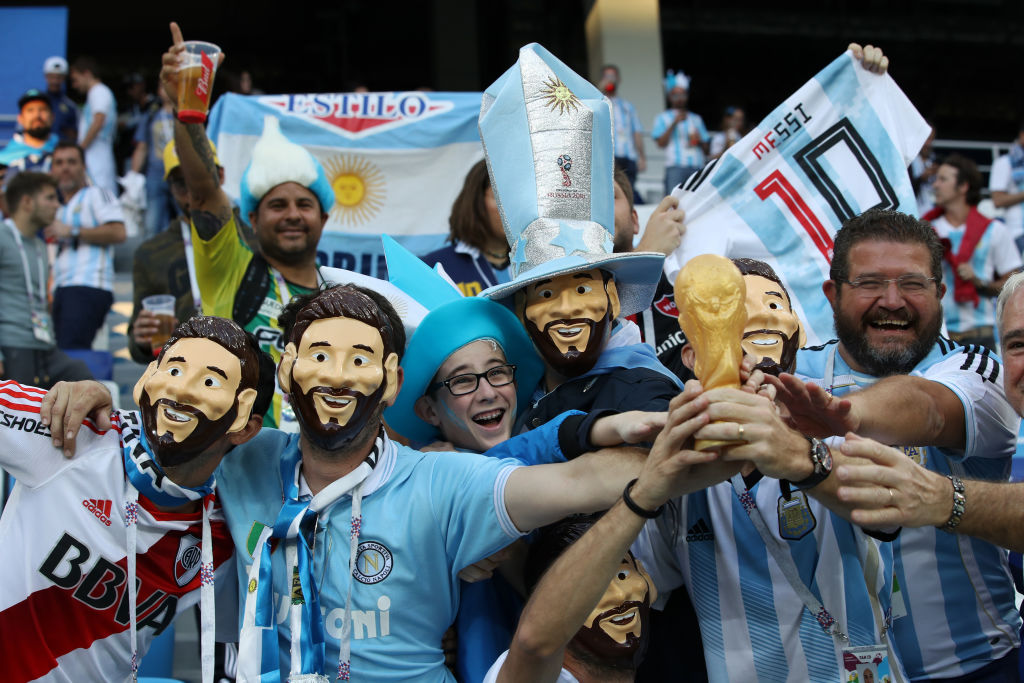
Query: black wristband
[[636, 509]]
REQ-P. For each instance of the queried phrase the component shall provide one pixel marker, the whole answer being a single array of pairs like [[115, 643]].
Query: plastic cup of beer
[[162, 306], [195, 80]]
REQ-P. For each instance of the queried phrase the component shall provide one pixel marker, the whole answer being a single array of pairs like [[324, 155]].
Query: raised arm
[[887, 488], [535, 496], [576, 582], [901, 410], [211, 207], [566, 596]]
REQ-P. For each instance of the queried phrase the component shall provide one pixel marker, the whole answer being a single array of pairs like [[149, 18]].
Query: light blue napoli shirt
[[425, 516]]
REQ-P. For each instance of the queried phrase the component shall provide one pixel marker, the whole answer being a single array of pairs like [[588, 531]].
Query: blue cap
[[452, 322]]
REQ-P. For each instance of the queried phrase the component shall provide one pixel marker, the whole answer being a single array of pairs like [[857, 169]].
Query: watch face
[[823, 457]]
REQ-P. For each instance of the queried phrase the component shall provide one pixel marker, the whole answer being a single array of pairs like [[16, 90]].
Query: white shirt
[[1001, 180], [99, 155]]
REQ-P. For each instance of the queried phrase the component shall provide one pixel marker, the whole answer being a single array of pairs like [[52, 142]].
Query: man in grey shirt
[[28, 353]]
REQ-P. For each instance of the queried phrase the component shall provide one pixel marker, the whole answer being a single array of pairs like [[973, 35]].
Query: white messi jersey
[[753, 623], [955, 611], [63, 606], [838, 146]]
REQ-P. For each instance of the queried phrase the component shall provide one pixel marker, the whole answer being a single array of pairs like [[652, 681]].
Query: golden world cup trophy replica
[[711, 295]]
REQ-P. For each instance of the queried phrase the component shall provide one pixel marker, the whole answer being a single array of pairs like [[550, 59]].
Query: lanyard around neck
[[786, 564], [27, 270], [282, 285], [190, 263]]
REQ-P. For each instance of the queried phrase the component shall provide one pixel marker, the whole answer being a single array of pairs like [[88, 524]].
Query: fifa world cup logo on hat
[[565, 163]]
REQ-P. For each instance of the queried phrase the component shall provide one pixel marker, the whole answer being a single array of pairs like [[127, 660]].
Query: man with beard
[[88, 225], [404, 523], [892, 489], [31, 149], [145, 484], [904, 385], [285, 198]]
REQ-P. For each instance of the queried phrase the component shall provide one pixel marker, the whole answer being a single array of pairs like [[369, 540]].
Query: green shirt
[[237, 283]]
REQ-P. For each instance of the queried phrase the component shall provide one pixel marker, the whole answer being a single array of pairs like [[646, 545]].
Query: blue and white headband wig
[[277, 160]]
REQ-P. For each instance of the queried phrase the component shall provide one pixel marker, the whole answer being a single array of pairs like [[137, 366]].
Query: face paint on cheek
[[452, 417]]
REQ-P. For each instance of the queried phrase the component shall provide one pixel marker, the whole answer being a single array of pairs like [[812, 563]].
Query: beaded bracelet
[[959, 504]]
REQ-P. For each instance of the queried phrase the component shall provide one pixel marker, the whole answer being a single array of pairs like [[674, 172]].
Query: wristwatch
[[821, 458]]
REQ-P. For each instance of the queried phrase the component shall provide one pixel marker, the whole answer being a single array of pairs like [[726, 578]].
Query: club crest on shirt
[[666, 305], [188, 561], [373, 562], [796, 519], [918, 454]]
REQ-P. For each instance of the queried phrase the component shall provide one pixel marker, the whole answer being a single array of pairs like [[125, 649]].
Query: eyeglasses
[[875, 286], [460, 385]]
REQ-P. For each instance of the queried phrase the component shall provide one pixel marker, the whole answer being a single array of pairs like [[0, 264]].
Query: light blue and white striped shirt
[[954, 612], [684, 144], [753, 624], [88, 265], [994, 256], [627, 125]]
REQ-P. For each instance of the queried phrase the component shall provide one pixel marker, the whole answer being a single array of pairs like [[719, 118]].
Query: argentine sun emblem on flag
[[395, 160]]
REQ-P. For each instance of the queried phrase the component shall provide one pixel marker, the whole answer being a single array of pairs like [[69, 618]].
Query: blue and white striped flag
[[396, 161], [837, 147]]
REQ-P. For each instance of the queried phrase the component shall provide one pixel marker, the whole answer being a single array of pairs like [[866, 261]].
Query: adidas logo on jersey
[[100, 508], [700, 532]]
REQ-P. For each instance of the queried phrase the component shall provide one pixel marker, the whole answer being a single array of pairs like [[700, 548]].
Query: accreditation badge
[[42, 327], [795, 517], [866, 664]]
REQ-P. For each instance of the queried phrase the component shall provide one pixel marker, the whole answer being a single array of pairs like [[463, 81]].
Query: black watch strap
[[821, 457]]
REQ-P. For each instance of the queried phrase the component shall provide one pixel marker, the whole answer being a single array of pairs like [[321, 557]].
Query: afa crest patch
[[796, 519], [918, 454], [374, 562]]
